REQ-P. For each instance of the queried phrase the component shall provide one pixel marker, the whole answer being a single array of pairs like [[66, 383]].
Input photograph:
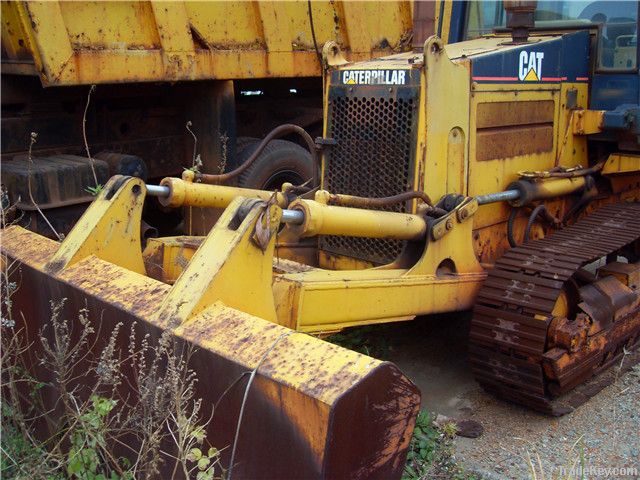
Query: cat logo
[[530, 68], [374, 77]]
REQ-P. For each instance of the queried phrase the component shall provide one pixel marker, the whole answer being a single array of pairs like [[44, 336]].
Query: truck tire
[[242, 143], [281, 161]]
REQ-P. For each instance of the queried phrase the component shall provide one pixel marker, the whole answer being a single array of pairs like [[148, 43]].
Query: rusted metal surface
[[570, 335], [627, 274], [166, 258], [62, 219], [505, 114], [520, 352], [315, 410], [58, 186], [509, 129], [143, 120], [587, 122], [513, 141], [424, 15], [606, 301], [55, 181], [113, 42]]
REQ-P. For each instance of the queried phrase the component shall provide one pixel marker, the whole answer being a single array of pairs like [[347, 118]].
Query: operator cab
[[614, 28]]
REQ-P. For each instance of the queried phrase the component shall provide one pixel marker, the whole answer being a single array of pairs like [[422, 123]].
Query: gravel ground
[[603, 433]]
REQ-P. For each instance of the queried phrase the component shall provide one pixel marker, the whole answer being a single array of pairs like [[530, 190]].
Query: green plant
[[196, 164], [422, 448], [95, 191], [102, 426], [16, 452], [205, 464], [370, 340], [87, 441], [432, 451]]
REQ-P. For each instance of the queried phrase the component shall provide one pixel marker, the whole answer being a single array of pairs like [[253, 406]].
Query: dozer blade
[[314, 410], [546, 331]]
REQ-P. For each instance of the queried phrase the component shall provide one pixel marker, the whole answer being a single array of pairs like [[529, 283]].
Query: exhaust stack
[[520, 18]]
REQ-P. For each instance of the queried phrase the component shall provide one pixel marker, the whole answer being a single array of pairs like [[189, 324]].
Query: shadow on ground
[[430, 350]]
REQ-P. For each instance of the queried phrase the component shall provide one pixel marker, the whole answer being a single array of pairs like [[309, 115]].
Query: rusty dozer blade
[[314, 410]]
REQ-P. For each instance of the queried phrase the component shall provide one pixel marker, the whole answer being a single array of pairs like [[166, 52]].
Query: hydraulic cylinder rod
[[523, 192], [320, 219], [161, 191], [313, 217], [295, 217], [505, 196], [175, 192], [164, 192], [548, 188]]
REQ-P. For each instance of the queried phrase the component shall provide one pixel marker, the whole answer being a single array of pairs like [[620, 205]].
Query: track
[[510, 349]]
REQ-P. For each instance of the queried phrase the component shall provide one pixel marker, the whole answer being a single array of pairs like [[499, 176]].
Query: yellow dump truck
[[232, 69]]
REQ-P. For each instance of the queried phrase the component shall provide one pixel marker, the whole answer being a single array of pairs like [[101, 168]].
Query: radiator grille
[[373, 157]]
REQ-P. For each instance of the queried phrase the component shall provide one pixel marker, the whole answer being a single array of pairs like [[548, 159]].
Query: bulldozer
[[499, 174]]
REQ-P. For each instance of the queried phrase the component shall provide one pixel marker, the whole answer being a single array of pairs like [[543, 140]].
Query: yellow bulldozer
[[499, 174]]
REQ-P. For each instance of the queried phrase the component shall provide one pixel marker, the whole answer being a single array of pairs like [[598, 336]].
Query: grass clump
[[370, 340], [432, 451]]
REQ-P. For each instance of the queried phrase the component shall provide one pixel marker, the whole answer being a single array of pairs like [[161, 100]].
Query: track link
[[509, 331]]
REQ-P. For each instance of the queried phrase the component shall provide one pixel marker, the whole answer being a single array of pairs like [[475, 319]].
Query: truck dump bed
[[76, 43]]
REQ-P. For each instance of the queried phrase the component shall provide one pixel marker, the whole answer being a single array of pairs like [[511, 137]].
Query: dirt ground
[[602, 437]]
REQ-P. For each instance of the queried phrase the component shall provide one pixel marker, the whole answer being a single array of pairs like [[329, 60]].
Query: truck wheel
[[281, 161], [242, 143]]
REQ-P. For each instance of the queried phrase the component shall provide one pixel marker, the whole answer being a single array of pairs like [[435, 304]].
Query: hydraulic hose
[[277, 132], [539, 210], [560, 173], [369, 202], [512, 217]]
